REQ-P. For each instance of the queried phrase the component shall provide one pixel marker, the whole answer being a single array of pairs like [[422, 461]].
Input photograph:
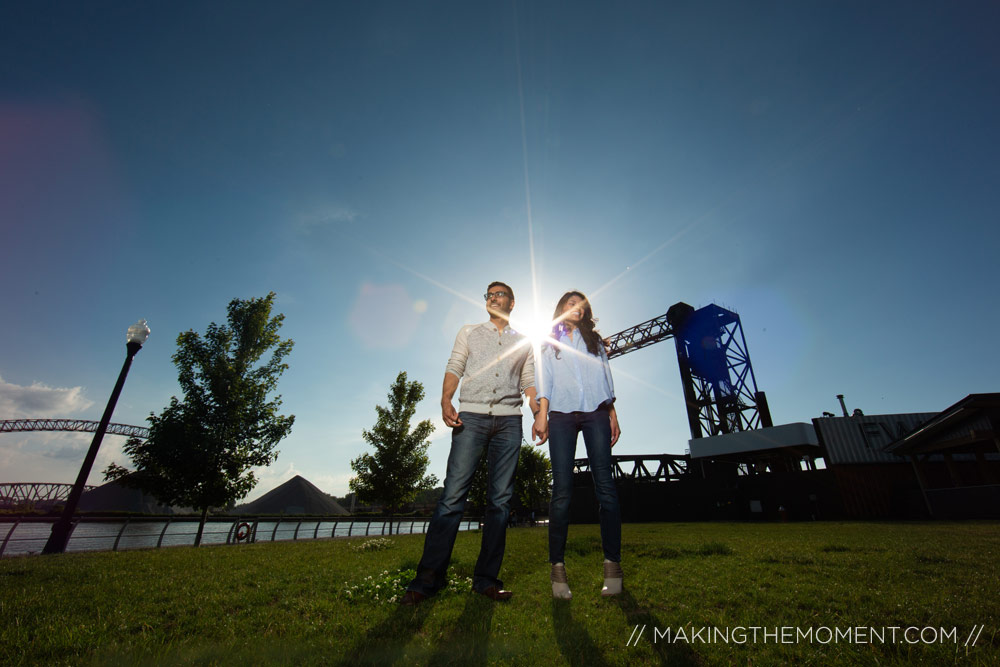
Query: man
[[495, 365]]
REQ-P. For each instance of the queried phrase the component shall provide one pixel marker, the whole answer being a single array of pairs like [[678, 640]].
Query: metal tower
[[718, 381]]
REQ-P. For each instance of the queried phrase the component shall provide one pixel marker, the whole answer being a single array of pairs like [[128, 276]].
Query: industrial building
[[741, 466]]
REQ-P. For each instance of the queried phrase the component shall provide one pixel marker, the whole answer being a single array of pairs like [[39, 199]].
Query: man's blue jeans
[[596, 429], [501, 436]]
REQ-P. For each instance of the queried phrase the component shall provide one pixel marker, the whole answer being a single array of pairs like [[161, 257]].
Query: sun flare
[[537, 328]]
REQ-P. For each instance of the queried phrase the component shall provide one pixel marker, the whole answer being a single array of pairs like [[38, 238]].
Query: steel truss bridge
[[21, 494], [642, 467], [29, 493], [13, 425]]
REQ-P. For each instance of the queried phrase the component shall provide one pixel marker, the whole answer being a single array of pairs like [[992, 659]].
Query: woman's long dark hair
[[586, 325]]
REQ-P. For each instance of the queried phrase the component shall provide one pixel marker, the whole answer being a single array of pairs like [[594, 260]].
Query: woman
[[576, 395]]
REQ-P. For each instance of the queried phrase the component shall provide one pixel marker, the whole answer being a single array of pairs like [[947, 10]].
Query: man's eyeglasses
[[499, 294]]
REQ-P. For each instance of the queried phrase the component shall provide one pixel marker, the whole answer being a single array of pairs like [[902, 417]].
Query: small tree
[[396, 471], [480, 482], [200, 451], [532, 482], [533, 485]]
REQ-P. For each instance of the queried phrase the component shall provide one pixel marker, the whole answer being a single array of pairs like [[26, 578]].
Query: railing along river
[[27, 535]]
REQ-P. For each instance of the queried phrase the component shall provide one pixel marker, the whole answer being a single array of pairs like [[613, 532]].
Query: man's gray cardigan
[[494, 368]]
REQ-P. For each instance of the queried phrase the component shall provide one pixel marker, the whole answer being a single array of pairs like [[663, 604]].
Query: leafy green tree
[[480, 480], [532, 482], [201, 450], [396, 471]]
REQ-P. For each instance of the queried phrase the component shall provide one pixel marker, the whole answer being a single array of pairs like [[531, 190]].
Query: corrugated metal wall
[[965, 427], [871, 487], [861, 439]]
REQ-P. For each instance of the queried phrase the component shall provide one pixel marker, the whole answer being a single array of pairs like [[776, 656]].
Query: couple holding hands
[[575, 394]]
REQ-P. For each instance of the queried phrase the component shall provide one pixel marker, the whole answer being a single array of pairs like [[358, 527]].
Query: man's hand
[[449, 414], [540, 429], [615, 430]]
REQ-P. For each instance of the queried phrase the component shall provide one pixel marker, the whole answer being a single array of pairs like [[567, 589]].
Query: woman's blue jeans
[[596, 429], [501, 436]]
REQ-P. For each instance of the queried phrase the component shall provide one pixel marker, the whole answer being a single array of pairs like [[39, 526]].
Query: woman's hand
[[540, 428], [615, 429]]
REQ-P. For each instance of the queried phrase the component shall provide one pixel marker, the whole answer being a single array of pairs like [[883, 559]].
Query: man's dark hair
[[497, 283]]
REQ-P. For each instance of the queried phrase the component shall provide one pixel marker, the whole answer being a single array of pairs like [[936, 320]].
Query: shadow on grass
[[386, 642], [468, 641], [668, 653], [574, 642], [661, 552]]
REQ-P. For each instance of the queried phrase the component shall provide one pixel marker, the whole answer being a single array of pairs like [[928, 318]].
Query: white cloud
[[55, 457], [274, 476], [268, 479], [39, 400], [335, 485], [326, 216]]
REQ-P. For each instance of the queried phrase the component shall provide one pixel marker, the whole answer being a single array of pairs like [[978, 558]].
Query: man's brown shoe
[[412, 598], [497, 594]]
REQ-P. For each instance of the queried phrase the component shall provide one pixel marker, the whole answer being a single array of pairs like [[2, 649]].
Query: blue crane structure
[[720, 390]]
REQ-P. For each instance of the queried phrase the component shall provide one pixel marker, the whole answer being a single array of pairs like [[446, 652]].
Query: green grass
[[324, 602]]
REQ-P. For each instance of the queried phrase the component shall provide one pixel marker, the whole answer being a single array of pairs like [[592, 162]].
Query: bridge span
[[84, 425], [28, 493]]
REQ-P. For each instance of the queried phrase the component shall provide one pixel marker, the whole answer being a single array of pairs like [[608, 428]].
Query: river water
[[18, 538]]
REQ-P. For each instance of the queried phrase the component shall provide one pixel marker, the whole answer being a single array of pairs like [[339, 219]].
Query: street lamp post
[[136, 336]]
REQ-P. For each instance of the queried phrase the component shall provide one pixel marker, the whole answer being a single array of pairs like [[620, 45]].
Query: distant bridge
[[29, 493], [645, 467], [14, 425]]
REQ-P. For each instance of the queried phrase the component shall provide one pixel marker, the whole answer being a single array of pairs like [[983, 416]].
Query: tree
[[533, 485], [532, 482], [480, 480], [201, 450], [396, 471]]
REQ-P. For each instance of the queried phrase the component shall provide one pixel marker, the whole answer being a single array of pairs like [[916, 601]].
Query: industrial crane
[[718, 381]]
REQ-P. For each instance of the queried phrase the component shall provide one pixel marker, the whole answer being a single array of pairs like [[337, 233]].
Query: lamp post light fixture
[[134, 338]]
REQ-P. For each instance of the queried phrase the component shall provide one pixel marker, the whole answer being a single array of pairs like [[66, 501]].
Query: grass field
[[330, 601]]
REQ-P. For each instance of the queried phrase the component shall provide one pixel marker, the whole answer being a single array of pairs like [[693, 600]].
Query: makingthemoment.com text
[[892, 634]]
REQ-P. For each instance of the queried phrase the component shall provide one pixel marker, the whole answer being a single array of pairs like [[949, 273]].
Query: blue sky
[[827, 170]]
